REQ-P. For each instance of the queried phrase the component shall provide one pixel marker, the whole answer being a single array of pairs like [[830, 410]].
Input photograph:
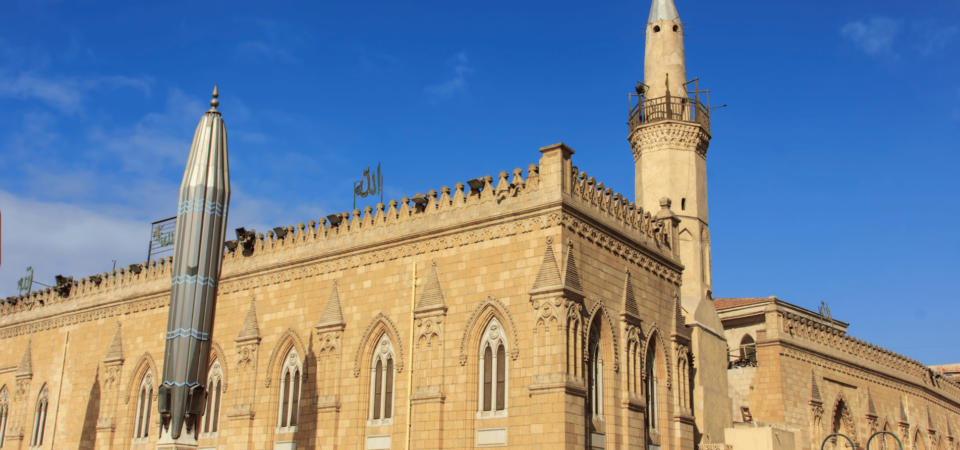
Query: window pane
[[295, 412], [140, 406], [146, 414], [216, 410], [388, 395], [377, 386], [501, 378], [487, 378], [286, 399], [206, 414]]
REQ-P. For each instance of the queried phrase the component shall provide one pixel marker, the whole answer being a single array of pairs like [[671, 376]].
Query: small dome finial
[[215, 103]]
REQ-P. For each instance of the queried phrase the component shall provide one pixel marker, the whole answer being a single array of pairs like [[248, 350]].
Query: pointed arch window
[[291, 377], [748, 351], [39, 419], [141, 424], [211, 414], [4, 413], [653, 401], [595, 376], [382, 375], [494, 374]]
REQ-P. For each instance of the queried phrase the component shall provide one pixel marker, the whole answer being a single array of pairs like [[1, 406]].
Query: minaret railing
[[687, 108]]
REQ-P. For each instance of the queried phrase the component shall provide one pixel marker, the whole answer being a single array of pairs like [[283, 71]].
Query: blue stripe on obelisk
[[188, 332], [194, 279], [171, 383], [201, 205]]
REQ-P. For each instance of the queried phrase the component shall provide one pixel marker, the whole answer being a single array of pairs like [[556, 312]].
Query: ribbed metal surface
[[663, 10], [197, 256]]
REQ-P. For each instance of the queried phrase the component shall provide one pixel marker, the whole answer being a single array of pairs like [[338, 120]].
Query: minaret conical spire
[[664, 56], [663, 10]]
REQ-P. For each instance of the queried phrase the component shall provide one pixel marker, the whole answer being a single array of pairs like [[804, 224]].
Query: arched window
[[290, 379], [595, 376], [141, 426], [211, 414], [4, 413], [382, 371], [748, 350], [653, 400], [39, 418], [493, 372]]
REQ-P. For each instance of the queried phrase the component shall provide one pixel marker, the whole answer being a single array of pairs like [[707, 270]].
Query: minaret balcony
[[686, 109]]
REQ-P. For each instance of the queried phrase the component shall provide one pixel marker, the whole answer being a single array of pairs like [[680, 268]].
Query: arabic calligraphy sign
[[25, 284], [161, 237], [374, 185]]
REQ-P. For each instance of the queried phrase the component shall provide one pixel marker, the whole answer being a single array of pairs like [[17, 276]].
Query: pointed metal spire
[[432, 296], [549, 274], [214, 103], [332, 314], [115, 352], [25, 369], [663, 10], [250, 329]]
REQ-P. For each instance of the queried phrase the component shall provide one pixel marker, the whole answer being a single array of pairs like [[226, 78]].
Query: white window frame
[[292, 365], [383, 352], [596, 376], [39, 419], [493, 337], [141, 435], [214, 402]]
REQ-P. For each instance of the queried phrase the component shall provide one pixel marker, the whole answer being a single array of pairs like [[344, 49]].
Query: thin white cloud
[[938, 38], [269, 51], [458, 83], [63, 239], [65, 94], [874, 36]]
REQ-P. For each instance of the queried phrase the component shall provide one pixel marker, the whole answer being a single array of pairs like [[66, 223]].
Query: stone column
[[240, 432]]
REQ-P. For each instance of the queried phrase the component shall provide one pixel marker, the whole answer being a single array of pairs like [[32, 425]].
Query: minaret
[[669, 135], [198, 253]]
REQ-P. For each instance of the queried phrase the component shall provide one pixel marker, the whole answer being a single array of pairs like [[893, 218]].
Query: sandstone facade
[[800, 371], [575, 285]]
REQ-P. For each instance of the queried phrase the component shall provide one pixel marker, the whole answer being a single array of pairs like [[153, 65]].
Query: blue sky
[[832, 172]]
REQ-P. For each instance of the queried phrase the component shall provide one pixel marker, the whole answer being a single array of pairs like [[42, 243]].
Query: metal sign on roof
[[25, 284], [161, 237]]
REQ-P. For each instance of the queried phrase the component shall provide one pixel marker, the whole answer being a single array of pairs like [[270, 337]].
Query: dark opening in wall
[[683, 204]]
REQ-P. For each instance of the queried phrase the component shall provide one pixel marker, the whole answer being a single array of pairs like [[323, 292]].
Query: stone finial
[[332, 314], [815, 397], [680, 324], [250, 330], [548, 277], [871, 408], [115, 352], [904, 419], [25, 369], [432, 297], [629, 298], [571, 279]]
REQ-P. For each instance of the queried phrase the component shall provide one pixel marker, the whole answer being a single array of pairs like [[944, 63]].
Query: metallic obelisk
[[197, 256]]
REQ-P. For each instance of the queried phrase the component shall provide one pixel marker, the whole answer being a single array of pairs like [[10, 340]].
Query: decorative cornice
[[669, 134]]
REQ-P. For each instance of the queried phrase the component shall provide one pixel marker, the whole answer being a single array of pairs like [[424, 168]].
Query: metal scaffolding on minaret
[[198, 252]]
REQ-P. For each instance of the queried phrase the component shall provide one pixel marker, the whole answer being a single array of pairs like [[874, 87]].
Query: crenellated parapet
[[553, 193], [816, 330]]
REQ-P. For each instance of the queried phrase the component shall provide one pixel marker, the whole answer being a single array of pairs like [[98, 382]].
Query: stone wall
[[548, 261], [815, 380]]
